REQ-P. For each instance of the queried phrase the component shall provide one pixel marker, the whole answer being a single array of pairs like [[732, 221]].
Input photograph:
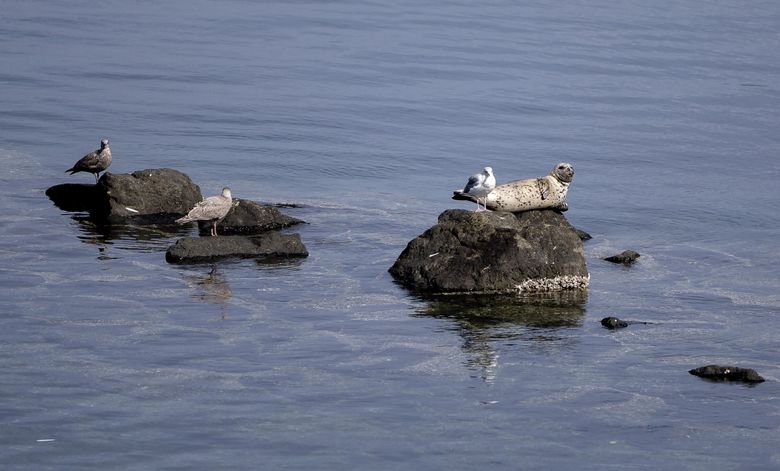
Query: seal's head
[[564, 172]]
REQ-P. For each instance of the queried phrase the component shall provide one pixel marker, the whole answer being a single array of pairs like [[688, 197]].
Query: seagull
[[479, 186], [213, 208], [94, 162]]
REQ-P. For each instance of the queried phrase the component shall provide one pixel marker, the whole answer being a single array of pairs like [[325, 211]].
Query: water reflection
[[144, 238], [211, 288], [484, 322]]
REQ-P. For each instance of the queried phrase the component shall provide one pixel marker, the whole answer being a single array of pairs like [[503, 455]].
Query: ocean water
[[367, 115]]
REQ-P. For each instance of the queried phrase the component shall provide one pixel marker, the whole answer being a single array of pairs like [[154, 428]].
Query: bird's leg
[[96, 178]]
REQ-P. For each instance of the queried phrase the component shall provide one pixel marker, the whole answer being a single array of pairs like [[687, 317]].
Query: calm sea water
[[368, 114]]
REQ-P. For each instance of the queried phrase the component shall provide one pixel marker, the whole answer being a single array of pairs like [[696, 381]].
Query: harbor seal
[[535, 193], [94, 162]]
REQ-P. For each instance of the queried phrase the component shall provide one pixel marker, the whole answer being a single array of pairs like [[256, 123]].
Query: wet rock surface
[[582, 234], [613, 323], [208, 249], [494, 252], [727, 373], [627, 257], [147, 196], [248, 218], [151, 196]]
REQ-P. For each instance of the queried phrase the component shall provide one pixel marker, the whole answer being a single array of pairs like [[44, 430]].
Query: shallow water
[[368, 114]]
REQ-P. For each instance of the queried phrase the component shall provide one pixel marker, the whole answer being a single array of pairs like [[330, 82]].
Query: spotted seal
[[535, 193]]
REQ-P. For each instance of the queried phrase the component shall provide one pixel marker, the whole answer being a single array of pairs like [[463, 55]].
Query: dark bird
[[213, 209], [94, 162]]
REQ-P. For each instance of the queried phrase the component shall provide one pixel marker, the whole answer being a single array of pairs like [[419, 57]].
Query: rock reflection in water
[[484, 321], [211, 288], [143, 238]]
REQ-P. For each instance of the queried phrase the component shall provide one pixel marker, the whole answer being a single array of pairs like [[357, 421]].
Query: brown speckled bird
[[94, 162]]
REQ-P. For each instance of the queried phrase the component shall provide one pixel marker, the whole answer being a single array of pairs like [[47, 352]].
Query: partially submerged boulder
[[613, 323], [582, 234], [727, 373], [151, 196], [248, 217], [494, 252], [147, 196], [626, 257], [207, 249]]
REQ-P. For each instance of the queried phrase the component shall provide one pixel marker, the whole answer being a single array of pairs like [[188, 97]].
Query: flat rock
[[248, 218], [494, 252], [207, 249], [727, 373], [151, 196]]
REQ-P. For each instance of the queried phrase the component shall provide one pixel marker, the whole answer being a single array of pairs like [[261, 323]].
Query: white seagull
[[213, 208], [479, 186]]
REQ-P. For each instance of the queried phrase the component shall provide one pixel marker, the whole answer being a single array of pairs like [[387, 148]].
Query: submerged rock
[[494, 252], [207, 249], [613, 323], [248, 217], [582, 234], [727, 373], [626, 257]]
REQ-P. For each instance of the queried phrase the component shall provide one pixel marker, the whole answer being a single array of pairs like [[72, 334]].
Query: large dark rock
[[207, 249], [494, 252], [147, 196], [727, 373], [152, 196], [247, 218]]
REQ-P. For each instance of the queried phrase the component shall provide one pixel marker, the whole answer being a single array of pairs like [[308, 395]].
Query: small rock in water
[[613, 323], [582, 234], [627, 257], [727, 373]]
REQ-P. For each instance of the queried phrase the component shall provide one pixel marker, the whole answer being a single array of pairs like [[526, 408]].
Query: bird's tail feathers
[[459, 195]]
